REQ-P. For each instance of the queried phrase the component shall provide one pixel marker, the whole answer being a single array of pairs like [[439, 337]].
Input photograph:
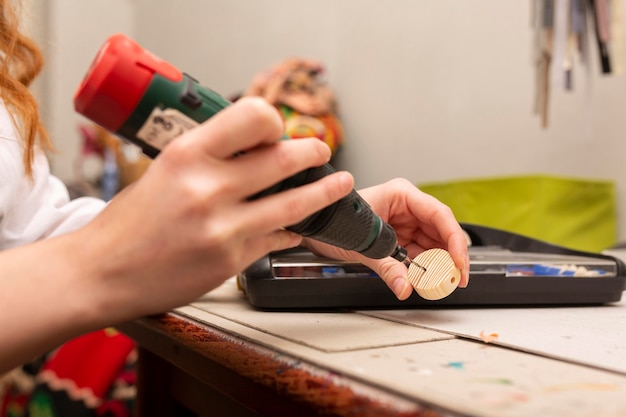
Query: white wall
[[428, 90], [74, 31]]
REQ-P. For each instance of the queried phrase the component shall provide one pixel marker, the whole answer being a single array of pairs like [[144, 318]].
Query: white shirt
[[39, 208]]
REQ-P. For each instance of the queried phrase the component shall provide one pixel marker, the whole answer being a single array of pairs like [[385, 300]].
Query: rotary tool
[[147, 101]]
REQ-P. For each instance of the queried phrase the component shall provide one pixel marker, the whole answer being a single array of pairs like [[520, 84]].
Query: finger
[[452, 235], [446, 229], [263, 167], [393, 273], [246, 124], [455, 243], [292, 206], [277, 240], [457, 246]]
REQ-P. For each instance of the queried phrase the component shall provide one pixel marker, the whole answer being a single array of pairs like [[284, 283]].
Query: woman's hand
[[187, 224], [421, 222]]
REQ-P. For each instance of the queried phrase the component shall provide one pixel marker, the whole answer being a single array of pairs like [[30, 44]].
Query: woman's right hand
[[187, 224]]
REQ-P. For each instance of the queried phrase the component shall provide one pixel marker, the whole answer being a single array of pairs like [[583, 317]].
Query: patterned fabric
[[92, 375], [325, 127], [308, 105]]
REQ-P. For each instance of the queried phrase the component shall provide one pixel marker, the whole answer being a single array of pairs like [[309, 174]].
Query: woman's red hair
[[20, 62]]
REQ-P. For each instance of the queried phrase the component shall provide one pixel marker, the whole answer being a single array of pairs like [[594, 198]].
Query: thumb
[[393, 273]]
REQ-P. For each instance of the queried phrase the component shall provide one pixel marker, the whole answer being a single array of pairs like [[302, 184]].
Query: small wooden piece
[[433, 274]]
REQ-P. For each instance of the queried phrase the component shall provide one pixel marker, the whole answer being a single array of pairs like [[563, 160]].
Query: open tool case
[[506, 269]]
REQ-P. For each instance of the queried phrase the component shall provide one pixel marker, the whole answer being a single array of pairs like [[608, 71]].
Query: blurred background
[[432, 91]]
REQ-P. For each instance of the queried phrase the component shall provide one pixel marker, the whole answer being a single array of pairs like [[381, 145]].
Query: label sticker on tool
[[163, 125]]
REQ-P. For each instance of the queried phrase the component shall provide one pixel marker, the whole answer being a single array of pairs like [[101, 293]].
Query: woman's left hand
[[421, 222]]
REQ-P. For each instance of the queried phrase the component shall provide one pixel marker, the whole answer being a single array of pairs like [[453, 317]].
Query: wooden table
[[186, 367], [219, 357]]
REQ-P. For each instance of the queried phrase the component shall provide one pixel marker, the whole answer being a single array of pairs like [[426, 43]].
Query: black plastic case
[[506, 269]]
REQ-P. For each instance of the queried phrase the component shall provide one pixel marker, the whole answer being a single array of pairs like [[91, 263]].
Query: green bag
[[575, 213]]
